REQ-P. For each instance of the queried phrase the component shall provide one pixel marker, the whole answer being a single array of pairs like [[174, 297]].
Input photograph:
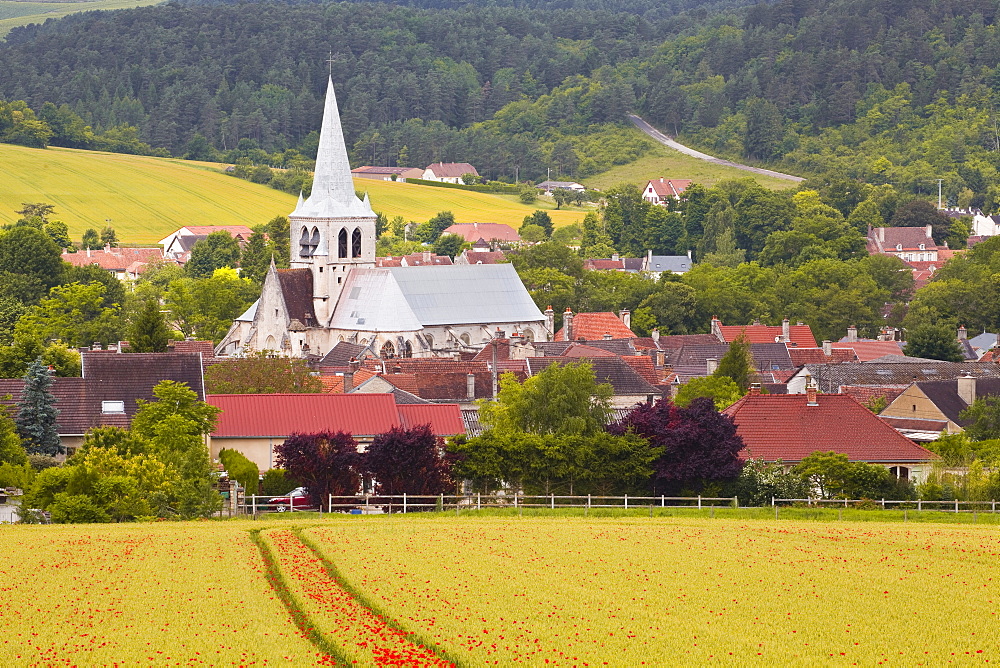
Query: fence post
[[478, 498], [552, 502], [956, 505], [404, 503], [329, 503], [626, 502], [588, 502], [994, 508], [883, 503], [291, 504], [253, 501], [772, 502], [736, 502], [515, 499], [775, 511], [699, 502], [663, 500], [919, 505]]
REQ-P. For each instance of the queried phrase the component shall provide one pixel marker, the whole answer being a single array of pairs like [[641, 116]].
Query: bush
[[277, 482], [76, 509], [42, 462], [241, 469], [20, 477]]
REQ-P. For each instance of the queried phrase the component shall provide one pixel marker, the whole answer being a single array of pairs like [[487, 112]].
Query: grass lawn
[[14, 13], [472, 590], [665, 162]]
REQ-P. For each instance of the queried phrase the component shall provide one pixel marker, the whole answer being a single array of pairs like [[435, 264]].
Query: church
[[334, 292]]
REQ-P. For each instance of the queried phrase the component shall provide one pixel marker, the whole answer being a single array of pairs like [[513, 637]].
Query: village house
[[798, 335], [884, 371], [387, 173], [105, 395], [592, 326], [448, 172], [122, 262], [659, 191], [178, 245], [910, 244], [487, 232], [424, 259], [549, 186], [790, 427], [927, 409], [253, 424], [478, 256]]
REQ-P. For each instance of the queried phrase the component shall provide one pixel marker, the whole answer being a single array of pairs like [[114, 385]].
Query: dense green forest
[[883, 91]]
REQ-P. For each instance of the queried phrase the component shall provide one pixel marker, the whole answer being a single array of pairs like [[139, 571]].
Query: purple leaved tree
[[700, 446], [409, 461], [325, 463]]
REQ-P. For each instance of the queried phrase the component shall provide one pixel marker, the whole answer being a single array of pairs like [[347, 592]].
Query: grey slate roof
[[675, 263], [944, 394], [557, 348], [829, 377], [766, 356], [623, 379], [341, 354]]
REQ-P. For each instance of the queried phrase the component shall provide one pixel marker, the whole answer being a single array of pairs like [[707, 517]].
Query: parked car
[[297, 499]]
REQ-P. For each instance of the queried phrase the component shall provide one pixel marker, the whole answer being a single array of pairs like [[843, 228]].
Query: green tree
[[261, 373], [738, 365], [528, 195], [437, 225], [59, 233], [109, 238], [984, 418], [74, 314], [920, 213], [256, 259], [672, 305], [833, 475], [541, 219], [720, 389], [37, 413], [90, 240], [11, 449], [936, 342], [278, 233], [39, 210], [532, 233], [241, 469], [449, 244], [763, 129], [217, 250], [32, 254], [148, 332]]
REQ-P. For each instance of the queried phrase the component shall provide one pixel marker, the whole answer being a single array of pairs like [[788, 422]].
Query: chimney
[[756, 322], [962, 333], [550, 320], [354, 364], [852, 333], [967, 388], [661, 358], [711, 364], [614, 256], [881, 235], [827, 348], [397, 368], [348, 381], [568, 325], [96, 346], [786, 330], [656, 335], [717, 329], [929, 231], [626, 317], [88, 251], [811, 398], [754, 388], [470, 386]]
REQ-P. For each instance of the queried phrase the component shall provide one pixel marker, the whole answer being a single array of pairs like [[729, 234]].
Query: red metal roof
[[783, 426], [800, 335], [444, 419], [278, 415]]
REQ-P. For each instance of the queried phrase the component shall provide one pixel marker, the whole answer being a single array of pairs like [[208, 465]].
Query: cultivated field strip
[[579, 592], [337, 620], [141, 594]]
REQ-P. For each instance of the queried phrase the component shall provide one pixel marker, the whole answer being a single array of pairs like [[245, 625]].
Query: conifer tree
[[738, 364], [37, 413], [148, 333]]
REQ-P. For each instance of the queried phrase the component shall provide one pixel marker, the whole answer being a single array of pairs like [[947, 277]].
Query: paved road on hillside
[[667, 141]]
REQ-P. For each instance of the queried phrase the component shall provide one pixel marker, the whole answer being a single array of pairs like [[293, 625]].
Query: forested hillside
[[885, 91]]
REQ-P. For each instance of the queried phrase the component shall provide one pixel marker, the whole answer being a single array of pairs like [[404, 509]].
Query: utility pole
[[940, 181]]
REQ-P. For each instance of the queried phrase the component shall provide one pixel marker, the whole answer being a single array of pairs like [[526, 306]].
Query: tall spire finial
[[329, 62]]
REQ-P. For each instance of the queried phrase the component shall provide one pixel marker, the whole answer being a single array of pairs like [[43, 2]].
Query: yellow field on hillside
[[147, 198], [14, 13], [664, 162]]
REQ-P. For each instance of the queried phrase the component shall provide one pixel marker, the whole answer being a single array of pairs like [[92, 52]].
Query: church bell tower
[[332, 230]]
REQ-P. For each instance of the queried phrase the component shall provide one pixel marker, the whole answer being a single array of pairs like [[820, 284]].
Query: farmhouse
[[790, 427], [910, 244], [334, 291], [448, 172], [177, 246], [488, 232], [938, 404], [254, 423], [116, 260], [659, 191], [387, 173]]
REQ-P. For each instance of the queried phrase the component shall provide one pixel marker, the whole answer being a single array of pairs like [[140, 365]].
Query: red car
[[297, 499]]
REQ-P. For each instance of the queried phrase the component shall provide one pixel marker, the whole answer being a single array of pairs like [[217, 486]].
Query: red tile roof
[[643, 365], [886, 240], [783, 426], [800, 356], [451, 169], [593, 326], [870, 350], [583, 350], [444, 419], [484, 257], [115, 259], [473, 232], [234, 230], [669, 187], [867, 393], [801, 335]]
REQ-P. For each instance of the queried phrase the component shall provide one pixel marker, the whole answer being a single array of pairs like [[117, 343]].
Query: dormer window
[[899, 247], [922, 247], [113, 407]]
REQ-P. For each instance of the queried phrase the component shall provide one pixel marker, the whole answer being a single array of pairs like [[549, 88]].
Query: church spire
[[333, 170]]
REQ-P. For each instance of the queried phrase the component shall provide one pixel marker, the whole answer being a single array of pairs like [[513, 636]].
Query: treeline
[[228, 73]]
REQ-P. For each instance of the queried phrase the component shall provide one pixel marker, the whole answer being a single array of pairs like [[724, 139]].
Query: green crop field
[[148, 198], [667, 163], [437, 589], [14, 13]]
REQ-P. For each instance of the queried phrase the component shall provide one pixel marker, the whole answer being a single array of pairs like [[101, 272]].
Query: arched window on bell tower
[[342, 244], [314, 241], [356, 243], [304, 249]]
